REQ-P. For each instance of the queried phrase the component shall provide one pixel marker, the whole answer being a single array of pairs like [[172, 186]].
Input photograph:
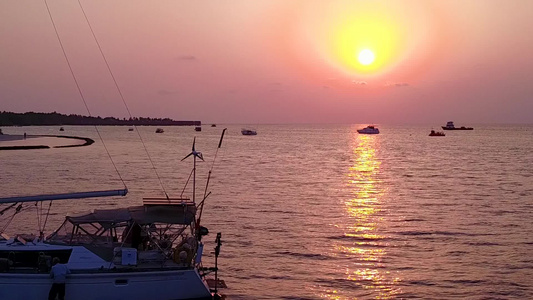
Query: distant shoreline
[[8, 119]]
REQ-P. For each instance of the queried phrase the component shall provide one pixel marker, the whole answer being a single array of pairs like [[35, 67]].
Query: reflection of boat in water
[[198, 128], [451, 126], [368, 130], [159, 130], [248, 132], [436, 133], [149, 251]]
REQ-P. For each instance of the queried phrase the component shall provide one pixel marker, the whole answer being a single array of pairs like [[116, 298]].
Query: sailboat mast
[[195, 154], [194, 180]]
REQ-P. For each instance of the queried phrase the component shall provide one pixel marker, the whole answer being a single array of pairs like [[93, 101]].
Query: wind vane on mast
[[195, 154]]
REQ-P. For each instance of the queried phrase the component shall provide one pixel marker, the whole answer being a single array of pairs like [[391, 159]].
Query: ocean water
[[319, 211]]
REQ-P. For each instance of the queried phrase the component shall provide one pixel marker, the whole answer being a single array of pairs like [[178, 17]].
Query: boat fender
[[199, 252], [183, 257], [180, 256]]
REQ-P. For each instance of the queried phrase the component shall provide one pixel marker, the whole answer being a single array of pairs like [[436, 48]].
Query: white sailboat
[[152, 251], [147, 252]]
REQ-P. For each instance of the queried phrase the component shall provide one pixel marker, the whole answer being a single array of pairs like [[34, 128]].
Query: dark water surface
[[318, 211]]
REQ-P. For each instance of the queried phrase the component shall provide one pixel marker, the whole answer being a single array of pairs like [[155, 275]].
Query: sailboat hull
[[155, 285]]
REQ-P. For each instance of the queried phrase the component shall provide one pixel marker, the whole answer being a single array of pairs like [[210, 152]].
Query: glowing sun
[[366, 57]]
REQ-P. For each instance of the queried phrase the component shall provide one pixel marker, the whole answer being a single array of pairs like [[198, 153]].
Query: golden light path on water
[[364, 209]]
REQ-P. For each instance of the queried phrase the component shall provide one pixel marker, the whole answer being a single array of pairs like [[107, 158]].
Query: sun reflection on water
[[365, 245]]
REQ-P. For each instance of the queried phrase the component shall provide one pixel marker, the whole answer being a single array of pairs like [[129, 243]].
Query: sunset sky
[[273, 61]]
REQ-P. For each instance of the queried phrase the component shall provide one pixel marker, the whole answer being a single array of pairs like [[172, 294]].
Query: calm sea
[[318, 211]]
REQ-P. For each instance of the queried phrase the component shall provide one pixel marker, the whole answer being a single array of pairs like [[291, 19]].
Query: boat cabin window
[[33, 260]]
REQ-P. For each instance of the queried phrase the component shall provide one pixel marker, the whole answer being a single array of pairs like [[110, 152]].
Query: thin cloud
[[397, 84], [165, 92], [187, 57]]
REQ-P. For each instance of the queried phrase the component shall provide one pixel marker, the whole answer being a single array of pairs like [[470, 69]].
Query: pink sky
[[272, 61]]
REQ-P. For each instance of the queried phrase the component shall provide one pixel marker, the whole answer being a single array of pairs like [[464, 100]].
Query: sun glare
[[366, 57], [365, 40]]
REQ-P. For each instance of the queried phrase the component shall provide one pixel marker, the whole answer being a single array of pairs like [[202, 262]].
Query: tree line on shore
[[54, 118]]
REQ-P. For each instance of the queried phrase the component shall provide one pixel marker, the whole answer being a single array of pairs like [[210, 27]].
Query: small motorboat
[[61, 129], [451, 126], [368, 130], [436, 133], [130, 129], [198, 128], [248, 132], [159, 130], [213, 125]]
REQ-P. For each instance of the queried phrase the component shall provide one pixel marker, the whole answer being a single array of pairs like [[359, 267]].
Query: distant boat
[[159, 130], [213, 125], [131, 129], [436, 133], [198, 128], [61, 129], [248, 132], [451, 126], [368, 130]]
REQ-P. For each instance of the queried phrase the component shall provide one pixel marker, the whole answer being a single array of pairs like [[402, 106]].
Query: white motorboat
[[368, 130], [451, 126]]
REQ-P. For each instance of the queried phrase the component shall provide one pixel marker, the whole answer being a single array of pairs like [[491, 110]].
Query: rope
[[80, 92], [206, 194], [186, 183], [122, 97], [39, 216], [17, 210], [47, 214]]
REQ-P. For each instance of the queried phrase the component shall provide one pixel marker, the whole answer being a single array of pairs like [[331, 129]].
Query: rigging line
[[47, 214], [80, 92], [213, 163], [38, 215], [17, 210], [122, 97], [8, 208], [186, 183], [8, 223]]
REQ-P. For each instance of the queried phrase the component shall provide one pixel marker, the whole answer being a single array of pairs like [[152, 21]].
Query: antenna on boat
[[217, 252], [206, 194], [195, 154]]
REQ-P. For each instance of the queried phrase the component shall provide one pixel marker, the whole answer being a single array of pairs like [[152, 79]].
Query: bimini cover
[[171, 214]]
